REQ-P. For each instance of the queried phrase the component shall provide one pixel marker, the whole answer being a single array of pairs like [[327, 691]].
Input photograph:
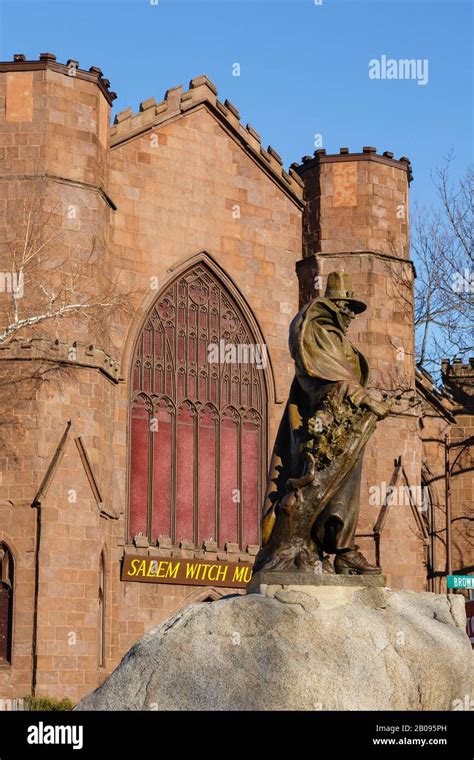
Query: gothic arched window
[[6, 603], [197, 418]]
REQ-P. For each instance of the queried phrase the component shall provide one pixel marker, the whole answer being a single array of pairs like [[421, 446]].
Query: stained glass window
[[197, 418]]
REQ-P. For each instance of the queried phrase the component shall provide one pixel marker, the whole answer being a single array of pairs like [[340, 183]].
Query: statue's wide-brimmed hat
[[338, 289]]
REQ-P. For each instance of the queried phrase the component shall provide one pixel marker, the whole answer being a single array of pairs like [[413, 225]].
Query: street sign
[[460, 581]]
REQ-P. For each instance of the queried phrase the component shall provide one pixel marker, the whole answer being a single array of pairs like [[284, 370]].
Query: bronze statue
[[312, 502]]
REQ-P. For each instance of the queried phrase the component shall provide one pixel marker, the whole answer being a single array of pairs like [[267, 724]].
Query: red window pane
[[250, 507], [207, 466], [185, 466], [162, 468], [230, 486]]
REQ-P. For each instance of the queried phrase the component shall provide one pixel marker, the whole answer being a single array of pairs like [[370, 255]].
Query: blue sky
[[303, 67]]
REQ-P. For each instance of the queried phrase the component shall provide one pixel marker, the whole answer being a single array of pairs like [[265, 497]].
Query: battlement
[[70, 68], [368, 154], [355, 202], [457, 369], [75, 353], [153, 114], [458, 378], [202, 91]]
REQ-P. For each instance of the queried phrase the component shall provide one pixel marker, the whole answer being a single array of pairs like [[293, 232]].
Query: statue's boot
[[326, 564], [353, 562]]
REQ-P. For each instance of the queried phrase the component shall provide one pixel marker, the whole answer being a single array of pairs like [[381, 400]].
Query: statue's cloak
[[323, 356]]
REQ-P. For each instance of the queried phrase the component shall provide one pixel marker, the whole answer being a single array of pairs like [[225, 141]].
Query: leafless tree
[[42, 282], [49, 291], [444, 286]]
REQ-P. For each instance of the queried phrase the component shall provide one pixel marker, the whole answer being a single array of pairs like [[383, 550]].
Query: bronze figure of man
[[312, 502]]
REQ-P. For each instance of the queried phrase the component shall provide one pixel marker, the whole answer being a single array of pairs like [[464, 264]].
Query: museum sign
[[185, 572]]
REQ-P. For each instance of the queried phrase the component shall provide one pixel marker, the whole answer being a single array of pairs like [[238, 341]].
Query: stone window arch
[[197, 427], [6, 603]]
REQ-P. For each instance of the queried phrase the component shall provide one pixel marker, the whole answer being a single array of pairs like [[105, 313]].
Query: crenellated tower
[[56, 468]]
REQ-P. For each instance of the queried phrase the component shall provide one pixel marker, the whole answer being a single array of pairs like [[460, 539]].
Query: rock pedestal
[[380, 650]]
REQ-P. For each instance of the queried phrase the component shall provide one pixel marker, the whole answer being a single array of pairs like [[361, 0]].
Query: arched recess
[[428, 516], [7, 586], [166, 279], [207, 594], [101, 610], [198, 414]]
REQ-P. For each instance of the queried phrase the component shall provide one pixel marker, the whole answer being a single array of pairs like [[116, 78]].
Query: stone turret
[[57, 118], [54, 135]]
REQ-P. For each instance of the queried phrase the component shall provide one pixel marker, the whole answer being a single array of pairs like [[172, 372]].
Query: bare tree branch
[[442, 252]]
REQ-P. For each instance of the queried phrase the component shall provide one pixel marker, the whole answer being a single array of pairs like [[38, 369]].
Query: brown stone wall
[[462, 494], [459, 382], [73, 532], [449, 421], [434, 427], [56, 120]]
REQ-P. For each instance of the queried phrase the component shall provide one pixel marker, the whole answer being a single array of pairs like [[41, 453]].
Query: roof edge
[[71, 68], [368, 153], [203, 92]]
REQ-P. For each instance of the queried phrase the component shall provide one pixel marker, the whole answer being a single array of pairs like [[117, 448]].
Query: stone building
[[150, 456]]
